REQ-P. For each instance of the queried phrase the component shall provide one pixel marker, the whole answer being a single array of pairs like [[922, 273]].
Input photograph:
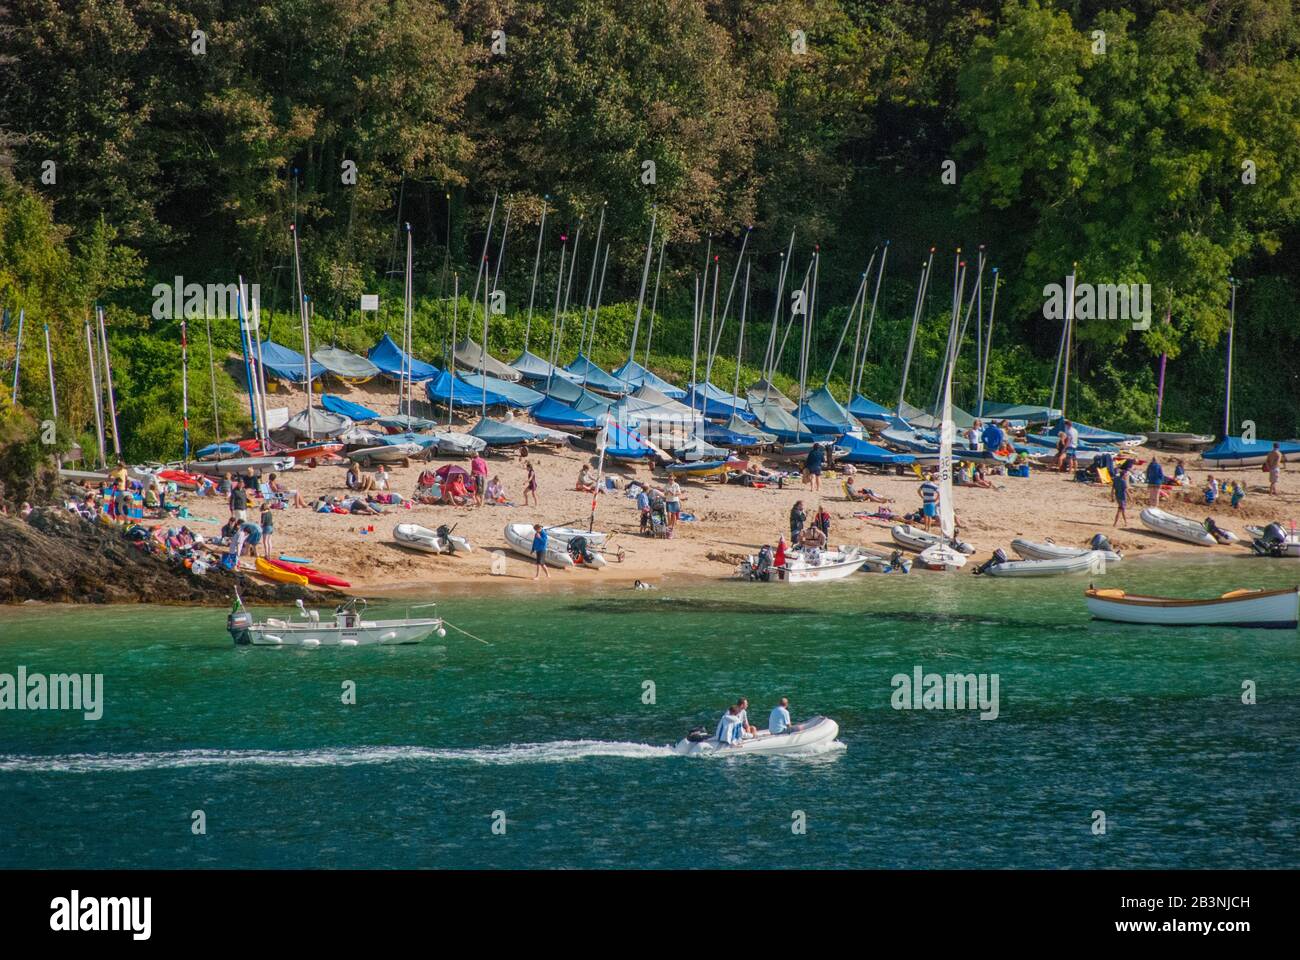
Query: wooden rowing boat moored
[[1240, 608]]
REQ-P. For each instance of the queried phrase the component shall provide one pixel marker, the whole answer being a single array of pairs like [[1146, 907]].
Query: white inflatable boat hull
[[914, 538], [1091, 562], [1176, 527], [519, 537], [1032, 550], [816, 734]]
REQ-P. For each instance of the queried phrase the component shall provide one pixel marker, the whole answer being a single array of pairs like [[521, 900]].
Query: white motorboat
[[1093, 561], [803, 565], [914, 538], [813, 736], [942, 556], [420, 538], [1047, 550], [559, 552], [386, 453], [347, 628], [1179, 528], [1239, 608]]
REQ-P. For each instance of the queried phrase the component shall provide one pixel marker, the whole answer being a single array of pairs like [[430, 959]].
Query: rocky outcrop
[[56, 556]]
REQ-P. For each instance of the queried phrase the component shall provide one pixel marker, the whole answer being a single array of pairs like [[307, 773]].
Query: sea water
[[1113, 746]]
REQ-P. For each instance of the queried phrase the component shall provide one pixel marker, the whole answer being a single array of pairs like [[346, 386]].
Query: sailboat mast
[[49, 364], [1069, 339], [1227, 384], [108, 383], [302, 318], [185, 396], [537, 263], [18, 355], [99, 395], [455, 316], [859, 297], [654, 301], [988, 343], [645, 279], [917, 309], [482, 258], [871, 321], [552, 354], [722, 322], [591, 277], [740, 337]]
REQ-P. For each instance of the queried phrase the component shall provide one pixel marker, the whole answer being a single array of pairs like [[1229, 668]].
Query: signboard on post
[[370, 301]]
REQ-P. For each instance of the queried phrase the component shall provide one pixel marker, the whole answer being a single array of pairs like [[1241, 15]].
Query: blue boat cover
[[497, 434], [638, 376], [859, 451], [717, 404], [353, 411], [445, 388], [590, 375], [624, 444], [425, 440], [288, 364], [405, 422], [219, 450], [532, 367], [387, 356], [1234, 448], [1094, 435], [865, 407], [552, 413], [517, 395], [827, 408]]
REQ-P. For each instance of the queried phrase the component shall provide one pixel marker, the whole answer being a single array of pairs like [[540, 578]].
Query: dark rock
[[58, 557]]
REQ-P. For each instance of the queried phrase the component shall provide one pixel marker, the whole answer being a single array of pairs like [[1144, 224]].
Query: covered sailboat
[[344, 364], [555, 413], [586, 372], [286, 364], [822, 413], [353, 411], [531, 367], [516, 394], [393, 362], [449, 390], [636, 375], [471, 357], [319, 423]]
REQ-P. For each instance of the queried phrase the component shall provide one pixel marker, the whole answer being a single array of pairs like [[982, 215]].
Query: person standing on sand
[[539, 551], [1119, 486], [478, 470], [530, 485], [268, 528], [816, 460], [1155, 477], [673, 500], [239, 503], [1273, 465], [797, 519], [929, 491]]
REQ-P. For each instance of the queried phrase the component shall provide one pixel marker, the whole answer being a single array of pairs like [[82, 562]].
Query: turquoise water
[[548, 725]]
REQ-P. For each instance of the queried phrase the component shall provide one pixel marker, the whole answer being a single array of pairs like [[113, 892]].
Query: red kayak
[[314, 576], [315, 451], [191, 481]]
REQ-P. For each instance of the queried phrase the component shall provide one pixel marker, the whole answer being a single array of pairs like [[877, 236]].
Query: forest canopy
[[1151, 142]]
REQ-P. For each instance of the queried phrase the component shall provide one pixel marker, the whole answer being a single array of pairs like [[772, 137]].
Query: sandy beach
[[731, 522]]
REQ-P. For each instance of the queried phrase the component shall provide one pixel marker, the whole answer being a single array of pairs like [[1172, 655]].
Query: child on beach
[[1119, 486], [268, 528], [530, 487]]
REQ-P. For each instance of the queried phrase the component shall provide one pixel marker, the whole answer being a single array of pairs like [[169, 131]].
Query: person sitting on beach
[[978, 479], [1211, 489], [381, 477], [1180, 474], [496, 493], [586, 479], [277, 489], [454, 491], [866, 495]]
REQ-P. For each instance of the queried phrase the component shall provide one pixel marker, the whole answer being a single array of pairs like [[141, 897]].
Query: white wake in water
[[558, 751]]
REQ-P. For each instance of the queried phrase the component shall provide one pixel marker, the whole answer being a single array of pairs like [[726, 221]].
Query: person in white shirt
[[779, 720], [728, 731], [1072, 444], [381, 478]]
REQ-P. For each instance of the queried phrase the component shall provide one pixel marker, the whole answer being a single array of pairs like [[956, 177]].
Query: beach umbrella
[[447, 471]]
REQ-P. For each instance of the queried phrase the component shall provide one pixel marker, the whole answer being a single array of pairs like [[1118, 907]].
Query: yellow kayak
[[272, 572]]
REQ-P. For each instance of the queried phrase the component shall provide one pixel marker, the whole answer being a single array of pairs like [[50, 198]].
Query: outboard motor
[[1214, 530], [762, 569], [1099, 542], [444, 534], [238, 623], [999, 556], [1271, 543], [699, 735]]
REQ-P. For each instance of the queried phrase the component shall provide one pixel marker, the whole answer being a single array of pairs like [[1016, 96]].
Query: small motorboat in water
[[812, 736], [1274, 541], [1278, 609], [1047, 550], [347, 628], [802, 565], [420, 538]]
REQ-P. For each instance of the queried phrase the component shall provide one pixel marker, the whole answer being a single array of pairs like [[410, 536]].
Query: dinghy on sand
[[813, 736], [942, 556], [1278, 609], [914, 538], [1176, 527], [420, 538], [559, 551], [998, 565], [1033, 550]]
